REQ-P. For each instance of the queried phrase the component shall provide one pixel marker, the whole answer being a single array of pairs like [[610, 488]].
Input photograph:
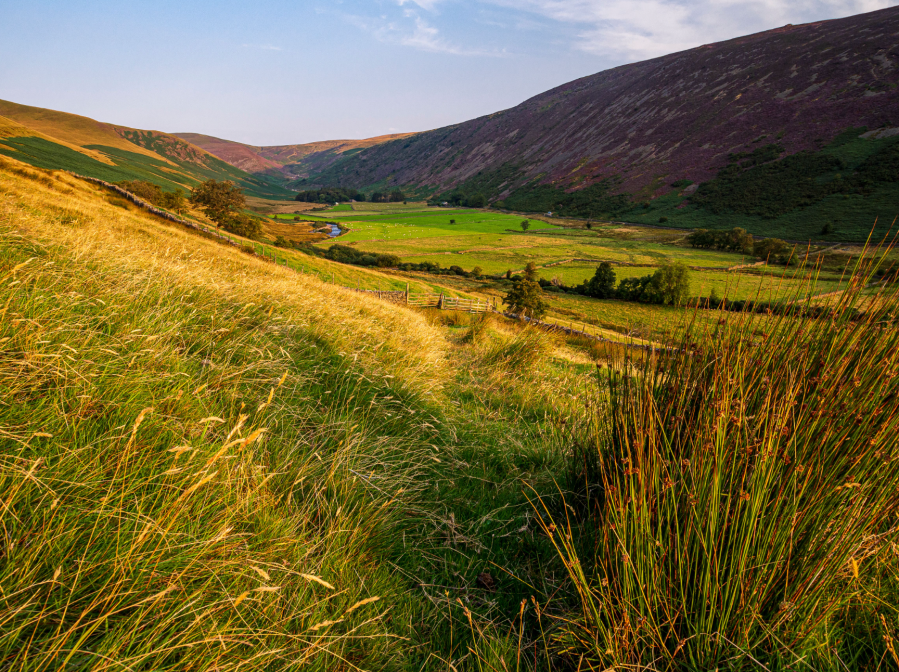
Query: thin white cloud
[[262, 47], [637, 29], [411, 30], [428, 5]]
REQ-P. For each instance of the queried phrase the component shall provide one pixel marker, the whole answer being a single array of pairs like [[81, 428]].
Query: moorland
[[231, 441]]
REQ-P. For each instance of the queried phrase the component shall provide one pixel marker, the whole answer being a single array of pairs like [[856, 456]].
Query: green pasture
[[734, 285], [495, 243]]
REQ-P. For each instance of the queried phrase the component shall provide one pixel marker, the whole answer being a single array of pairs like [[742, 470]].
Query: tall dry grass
[[740, 500]]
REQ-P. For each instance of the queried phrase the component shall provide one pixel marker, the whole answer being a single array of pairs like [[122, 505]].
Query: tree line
[[772, 250], [342, 195]]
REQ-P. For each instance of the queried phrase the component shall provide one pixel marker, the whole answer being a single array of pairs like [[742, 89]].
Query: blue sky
[[281, 72]]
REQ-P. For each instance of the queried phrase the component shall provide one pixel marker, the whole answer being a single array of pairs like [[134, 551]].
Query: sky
[[273, 72]]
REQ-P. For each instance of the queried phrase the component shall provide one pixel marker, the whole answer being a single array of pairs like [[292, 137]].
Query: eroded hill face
[[672, 118]]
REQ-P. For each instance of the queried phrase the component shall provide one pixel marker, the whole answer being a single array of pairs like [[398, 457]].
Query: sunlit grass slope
[[203, 453]]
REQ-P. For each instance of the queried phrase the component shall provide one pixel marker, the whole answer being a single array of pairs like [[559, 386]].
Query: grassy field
[[212, 462], [495, 243]]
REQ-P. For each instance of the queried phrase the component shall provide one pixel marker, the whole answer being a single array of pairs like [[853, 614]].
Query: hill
[[293, 161], [59, 140], [633, 134]]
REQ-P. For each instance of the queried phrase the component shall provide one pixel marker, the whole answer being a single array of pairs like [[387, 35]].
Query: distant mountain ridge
[[292, 161], [637, 129]]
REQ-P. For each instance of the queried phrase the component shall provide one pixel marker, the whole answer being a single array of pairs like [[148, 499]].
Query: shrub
[[242, 225], [350, 255], [143, 189], [174, 201], [734, 240], [662, 220]]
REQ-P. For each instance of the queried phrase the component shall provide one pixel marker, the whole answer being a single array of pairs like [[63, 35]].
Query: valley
[[605, 381]]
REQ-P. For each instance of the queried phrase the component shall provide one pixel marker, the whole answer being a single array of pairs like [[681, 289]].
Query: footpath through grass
[[210, 461]]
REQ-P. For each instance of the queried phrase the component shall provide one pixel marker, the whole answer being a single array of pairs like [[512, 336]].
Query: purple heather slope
[[673, 117]]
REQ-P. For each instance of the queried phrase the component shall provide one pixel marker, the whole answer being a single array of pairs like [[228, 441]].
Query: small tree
[[526, 298], [530, 271], [477, 201], [525, 225], [670, 284], [602, 284], [477, 271], [219, 200], [769, 249], [738, 240]]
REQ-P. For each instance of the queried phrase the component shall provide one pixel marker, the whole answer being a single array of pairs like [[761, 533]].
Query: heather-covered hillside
[[639, 128]]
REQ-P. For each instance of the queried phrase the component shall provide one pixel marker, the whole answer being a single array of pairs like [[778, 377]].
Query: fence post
[[440, 302], [407, 293]]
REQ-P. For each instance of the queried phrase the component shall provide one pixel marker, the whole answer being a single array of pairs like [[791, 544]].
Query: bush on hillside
[[153, 194], [242, 225], [221, 201]]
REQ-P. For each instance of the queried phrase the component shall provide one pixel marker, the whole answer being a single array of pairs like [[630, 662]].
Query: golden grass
[[298, 232], [272, 207], [136, 242], [180, 485]]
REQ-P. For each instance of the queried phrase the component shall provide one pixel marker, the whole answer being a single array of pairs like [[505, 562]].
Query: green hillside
[[160, 158]]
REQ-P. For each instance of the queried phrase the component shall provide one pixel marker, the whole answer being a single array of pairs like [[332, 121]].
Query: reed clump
[[739, 499]]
